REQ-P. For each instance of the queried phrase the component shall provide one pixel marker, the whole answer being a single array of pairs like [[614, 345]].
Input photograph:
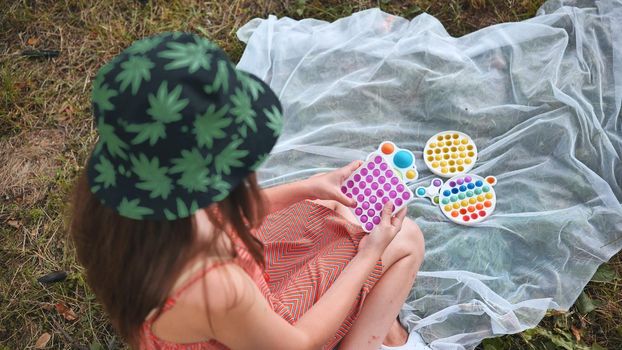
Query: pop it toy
[[450, 153], [430, 191], [468, 199], [380, 179]]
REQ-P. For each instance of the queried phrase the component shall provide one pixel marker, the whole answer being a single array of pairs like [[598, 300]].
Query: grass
[[46, 131]]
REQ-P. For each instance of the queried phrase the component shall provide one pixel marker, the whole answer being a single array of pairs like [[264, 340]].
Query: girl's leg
[[401, 261]]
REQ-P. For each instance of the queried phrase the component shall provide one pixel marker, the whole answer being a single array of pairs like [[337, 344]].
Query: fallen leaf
[[43, 340], [66, 312], [14, 223], [576, 332], [32, 41], [585, 304], [605, 273]]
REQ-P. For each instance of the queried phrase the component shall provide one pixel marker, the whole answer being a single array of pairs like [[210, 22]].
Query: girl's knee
[[413, 242]]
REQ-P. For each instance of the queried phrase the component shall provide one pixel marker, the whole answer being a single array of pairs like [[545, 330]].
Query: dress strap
[[196, 273]]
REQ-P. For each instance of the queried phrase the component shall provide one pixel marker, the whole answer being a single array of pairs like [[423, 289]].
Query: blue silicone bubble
[[403, 159], [454, 190], [479, 183], [470, 186], [446, 193], [463, 188]]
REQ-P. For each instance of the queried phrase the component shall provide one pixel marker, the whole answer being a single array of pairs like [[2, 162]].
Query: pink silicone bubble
[[385, 200], [392, 194], [400, 188], [389, 173], [349, 195], [398, 202], [369, 178], [378, 206], [358, 211], [460, 181], [373, 199], [395, 180], [380, 193], [369, 226], [364, 171], [452, 184], [387, 186], [350, 183], [344, 189], [374, 185], [370, 165], [366, 205], [357, 177], [438, 183], [378, 159], [363, 218], [468, 179], [371, 212], [376, 220], [383, 166], [355, 190], [361, 185], [406, 195], [376, 172], [367, 191], [382, 179], [360, 198]]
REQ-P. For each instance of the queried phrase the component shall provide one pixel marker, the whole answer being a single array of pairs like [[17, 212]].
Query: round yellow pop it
[[450, 153]]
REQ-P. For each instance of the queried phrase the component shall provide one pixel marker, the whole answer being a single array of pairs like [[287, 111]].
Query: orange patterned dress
[[306, 246]]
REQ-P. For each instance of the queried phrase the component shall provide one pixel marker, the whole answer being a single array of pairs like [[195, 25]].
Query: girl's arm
[[321, 186], [242, 318]]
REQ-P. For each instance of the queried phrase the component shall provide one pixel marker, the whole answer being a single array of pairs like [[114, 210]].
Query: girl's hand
[[380, 237], [328, 185]]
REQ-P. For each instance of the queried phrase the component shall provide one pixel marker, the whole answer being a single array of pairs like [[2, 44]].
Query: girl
[[183, 248]]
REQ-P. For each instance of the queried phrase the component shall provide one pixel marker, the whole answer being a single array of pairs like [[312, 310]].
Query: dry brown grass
[[46, 132]]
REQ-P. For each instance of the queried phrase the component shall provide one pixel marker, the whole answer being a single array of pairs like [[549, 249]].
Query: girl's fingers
[[350, 168], [343, 199], [386, 212], [398, 219]]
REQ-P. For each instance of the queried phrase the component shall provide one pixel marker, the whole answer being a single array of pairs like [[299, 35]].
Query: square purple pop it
[[372, 185]]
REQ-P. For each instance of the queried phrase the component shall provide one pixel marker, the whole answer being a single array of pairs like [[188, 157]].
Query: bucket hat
[[179, 127]]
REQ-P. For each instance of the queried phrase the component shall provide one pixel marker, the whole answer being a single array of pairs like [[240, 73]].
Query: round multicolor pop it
[[468, 199], [450, 153]]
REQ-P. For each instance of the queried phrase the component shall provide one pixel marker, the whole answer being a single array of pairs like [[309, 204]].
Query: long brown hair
[[132, 265]]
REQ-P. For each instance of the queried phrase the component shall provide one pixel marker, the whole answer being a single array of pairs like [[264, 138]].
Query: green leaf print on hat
[[194, 170], [275, 120], [153, 177], [102, 94], [134, 70], [107, 176], [262, 158], [144, 45], [132, 209], [221, 186], [166, 106], [243, 111], [230, 157], [211, 125], [191, 55], [114, 145], [221, 80], [147, 131], [250, 84], [182, 210]]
